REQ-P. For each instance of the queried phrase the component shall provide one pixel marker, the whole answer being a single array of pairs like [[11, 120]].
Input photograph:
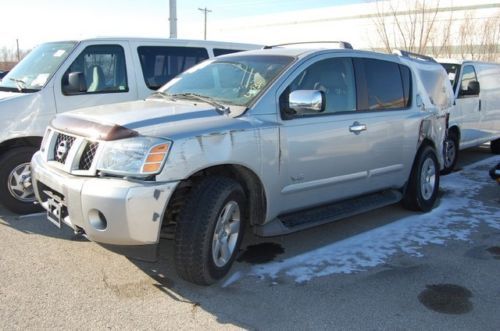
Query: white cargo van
[[475, 119], [60, 76]]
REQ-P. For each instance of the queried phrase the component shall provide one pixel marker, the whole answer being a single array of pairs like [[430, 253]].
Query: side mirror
[[306, 101], [473, 88], [76, 83]]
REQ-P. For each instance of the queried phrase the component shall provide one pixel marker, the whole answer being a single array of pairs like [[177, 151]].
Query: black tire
[[418, 195], [495, 146], [195, 234], [8, 163], [450, 153]]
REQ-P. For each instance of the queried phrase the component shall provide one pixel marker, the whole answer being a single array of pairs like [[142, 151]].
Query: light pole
[[173, 18], [205, 11]]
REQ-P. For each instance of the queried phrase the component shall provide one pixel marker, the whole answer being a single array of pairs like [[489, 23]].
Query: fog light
[[97, 219]]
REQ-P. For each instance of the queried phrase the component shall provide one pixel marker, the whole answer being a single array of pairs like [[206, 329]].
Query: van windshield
[[35, 70], [233, 80]]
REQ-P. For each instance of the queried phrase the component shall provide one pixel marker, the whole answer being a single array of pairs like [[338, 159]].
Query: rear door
[[384, 108]]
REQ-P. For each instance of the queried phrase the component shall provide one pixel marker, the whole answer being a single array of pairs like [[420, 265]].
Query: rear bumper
[[122, 215]]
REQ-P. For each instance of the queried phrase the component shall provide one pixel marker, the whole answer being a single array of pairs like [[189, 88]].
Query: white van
[[60, 76], [475, 118]]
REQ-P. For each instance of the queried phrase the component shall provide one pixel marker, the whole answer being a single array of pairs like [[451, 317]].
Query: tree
[[423, 27]]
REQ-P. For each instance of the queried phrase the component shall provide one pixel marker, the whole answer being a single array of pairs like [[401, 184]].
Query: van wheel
[[450, 153], [495, 146], [16, 191], [209, 230], [423, 184]]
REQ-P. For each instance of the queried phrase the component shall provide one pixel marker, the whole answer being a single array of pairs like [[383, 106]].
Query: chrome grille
[[88, 155], [62, 146]]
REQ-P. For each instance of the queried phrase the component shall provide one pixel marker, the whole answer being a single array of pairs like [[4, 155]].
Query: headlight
[[139, 156]]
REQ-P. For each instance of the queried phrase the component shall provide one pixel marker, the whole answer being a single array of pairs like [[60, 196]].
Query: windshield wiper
[[218, 106], [20, 84]]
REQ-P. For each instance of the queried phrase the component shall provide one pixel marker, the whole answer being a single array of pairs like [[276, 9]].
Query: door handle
[[357, 127], [479, 105]]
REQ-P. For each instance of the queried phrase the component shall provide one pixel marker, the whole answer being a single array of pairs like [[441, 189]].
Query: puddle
[[446, 298], [261, 253], [494, 250]]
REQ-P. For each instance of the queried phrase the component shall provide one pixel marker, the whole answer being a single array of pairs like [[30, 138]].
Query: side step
[[304, 219]]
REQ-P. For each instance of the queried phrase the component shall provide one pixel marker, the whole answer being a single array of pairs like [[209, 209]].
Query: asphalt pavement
[[385, 269]]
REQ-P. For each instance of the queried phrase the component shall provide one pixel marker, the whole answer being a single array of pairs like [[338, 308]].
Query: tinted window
[[335, 78], [380, 85], [103, 67], [161, 64], [221, 51], [468, 76]]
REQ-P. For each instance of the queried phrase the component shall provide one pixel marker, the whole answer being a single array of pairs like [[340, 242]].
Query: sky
[[36, 21]]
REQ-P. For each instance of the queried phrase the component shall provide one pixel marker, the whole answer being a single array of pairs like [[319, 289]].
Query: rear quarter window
[[162, 63]]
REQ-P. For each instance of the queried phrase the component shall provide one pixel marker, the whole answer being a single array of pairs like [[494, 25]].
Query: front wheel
[[16, 190], [209, 230], [423, 184], [450, 153]]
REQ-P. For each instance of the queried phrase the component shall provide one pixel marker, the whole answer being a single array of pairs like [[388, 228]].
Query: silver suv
[[277, 140]]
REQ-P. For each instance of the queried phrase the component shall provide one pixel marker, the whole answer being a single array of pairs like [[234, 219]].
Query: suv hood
[[151, 117]]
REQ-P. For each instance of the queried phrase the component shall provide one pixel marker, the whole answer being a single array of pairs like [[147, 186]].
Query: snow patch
[[372, 248]]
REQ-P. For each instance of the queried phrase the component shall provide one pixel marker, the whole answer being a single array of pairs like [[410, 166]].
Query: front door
[[105, 77], [469, 108]]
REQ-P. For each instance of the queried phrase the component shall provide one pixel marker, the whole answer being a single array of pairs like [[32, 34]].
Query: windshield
[[34, 71], [453, 71], [234, 80]]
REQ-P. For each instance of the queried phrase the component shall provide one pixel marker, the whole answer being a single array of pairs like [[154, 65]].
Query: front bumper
[[122, 215]]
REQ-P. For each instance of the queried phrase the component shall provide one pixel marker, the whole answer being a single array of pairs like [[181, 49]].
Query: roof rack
[[342, 44], [411, 55]]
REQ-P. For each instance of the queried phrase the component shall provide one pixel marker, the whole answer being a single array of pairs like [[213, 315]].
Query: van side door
[[96, 74]]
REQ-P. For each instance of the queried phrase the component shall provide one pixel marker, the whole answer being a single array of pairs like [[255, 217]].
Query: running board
[[304, 219]]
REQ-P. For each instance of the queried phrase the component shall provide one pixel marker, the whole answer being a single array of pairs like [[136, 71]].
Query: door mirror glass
[[76, 83], [473, 88], [306, 101]]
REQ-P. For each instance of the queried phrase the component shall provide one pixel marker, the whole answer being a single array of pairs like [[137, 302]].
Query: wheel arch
[[30, 141], [455, 130], [248, 179]]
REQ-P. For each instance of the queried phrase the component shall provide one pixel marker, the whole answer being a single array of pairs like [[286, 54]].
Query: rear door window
[[161, 63], [381, 85]]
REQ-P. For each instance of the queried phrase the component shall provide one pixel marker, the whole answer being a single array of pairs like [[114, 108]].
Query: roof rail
[[411, 55], [342, 44]]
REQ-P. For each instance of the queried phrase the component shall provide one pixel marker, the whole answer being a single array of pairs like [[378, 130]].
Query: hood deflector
[[92, 130]]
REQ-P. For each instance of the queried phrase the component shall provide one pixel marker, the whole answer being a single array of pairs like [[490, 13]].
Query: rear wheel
[[209, 230], [450, 153], [16, 190], [495, 146], [423, 184]]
